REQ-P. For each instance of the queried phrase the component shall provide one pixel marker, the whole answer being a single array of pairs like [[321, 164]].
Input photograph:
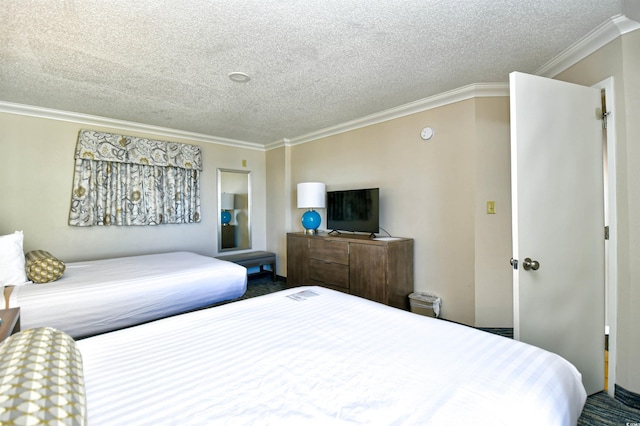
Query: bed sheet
[[314, 356], [102, 295]]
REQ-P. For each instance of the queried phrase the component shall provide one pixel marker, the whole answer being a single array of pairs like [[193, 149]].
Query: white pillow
[[12, 270]]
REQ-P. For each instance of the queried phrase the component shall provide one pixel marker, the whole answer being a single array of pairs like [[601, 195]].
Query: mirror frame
[[248, 210]]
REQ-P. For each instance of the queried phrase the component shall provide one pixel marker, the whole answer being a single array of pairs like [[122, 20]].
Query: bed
[[97, 296], [311, 355]]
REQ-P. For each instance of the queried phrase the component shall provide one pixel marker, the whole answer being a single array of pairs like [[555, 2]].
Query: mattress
[[103, 295], [311, 355]]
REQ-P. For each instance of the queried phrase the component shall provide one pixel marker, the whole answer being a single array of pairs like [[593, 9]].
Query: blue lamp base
[[311, 222], [225, 217]]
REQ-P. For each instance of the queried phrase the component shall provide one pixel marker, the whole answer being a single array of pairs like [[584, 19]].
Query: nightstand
[[10, 322]]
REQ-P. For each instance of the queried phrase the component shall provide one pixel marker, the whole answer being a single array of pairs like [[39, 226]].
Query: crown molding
[[594, 40], [93, 120], [478, 90], [278, 144]]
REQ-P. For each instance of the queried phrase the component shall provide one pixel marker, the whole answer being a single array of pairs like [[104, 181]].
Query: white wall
[[36, 176], [430, 192], [278, 214], [493, 278]]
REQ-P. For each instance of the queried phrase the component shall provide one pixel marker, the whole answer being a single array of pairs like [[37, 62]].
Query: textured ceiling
[[312, 63]]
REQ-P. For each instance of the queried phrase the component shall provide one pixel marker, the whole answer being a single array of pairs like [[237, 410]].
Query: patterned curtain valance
[[102, 146], [122, 180]]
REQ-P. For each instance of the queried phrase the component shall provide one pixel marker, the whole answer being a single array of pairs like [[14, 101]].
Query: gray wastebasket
[[427, 304]]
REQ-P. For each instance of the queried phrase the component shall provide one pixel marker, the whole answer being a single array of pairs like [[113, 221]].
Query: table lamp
[[311, 195]]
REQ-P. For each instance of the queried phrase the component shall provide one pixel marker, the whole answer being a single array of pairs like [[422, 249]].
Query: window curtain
[[123, 180]]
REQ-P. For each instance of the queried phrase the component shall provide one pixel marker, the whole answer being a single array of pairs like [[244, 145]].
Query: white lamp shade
[[226, 201], [311, 195]]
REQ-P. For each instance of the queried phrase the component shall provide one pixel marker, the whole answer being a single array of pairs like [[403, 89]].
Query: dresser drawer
[[329, 251], [332, 274]]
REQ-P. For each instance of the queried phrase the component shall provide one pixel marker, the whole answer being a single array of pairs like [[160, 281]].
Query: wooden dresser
[[380, 270]]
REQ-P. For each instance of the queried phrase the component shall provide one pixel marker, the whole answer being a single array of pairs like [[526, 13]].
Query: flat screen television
[[355, 210]]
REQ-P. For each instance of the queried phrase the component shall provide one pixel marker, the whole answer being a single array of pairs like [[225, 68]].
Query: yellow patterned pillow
[[41, 379], [42, 267]]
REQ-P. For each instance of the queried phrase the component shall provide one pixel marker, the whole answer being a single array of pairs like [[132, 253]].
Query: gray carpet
[[262, 284], [600, 409]]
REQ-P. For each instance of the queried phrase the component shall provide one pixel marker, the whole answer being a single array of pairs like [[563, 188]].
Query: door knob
[[528, 264]]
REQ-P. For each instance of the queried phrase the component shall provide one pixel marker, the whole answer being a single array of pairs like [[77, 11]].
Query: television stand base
[[336, 232]]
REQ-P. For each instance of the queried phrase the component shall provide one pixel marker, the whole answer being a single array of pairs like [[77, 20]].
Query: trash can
[[425, 304]]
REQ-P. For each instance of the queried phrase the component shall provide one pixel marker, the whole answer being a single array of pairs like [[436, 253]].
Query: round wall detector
[[427, 133]]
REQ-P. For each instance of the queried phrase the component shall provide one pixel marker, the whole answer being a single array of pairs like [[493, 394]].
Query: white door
[[558, 221]]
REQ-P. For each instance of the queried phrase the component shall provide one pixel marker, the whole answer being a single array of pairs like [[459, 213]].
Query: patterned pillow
[[42, 267], [41, 379]]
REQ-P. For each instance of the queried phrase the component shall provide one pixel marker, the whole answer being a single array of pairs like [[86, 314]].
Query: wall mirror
[[234, 210]]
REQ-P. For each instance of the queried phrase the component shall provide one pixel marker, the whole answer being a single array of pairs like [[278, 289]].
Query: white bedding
[[328, 359], [102, 295]]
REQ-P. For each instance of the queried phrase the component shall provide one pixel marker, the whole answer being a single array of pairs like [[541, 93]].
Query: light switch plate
[[491, 207]]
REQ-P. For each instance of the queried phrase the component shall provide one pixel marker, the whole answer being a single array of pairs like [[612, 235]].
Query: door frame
[[612, 246]]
